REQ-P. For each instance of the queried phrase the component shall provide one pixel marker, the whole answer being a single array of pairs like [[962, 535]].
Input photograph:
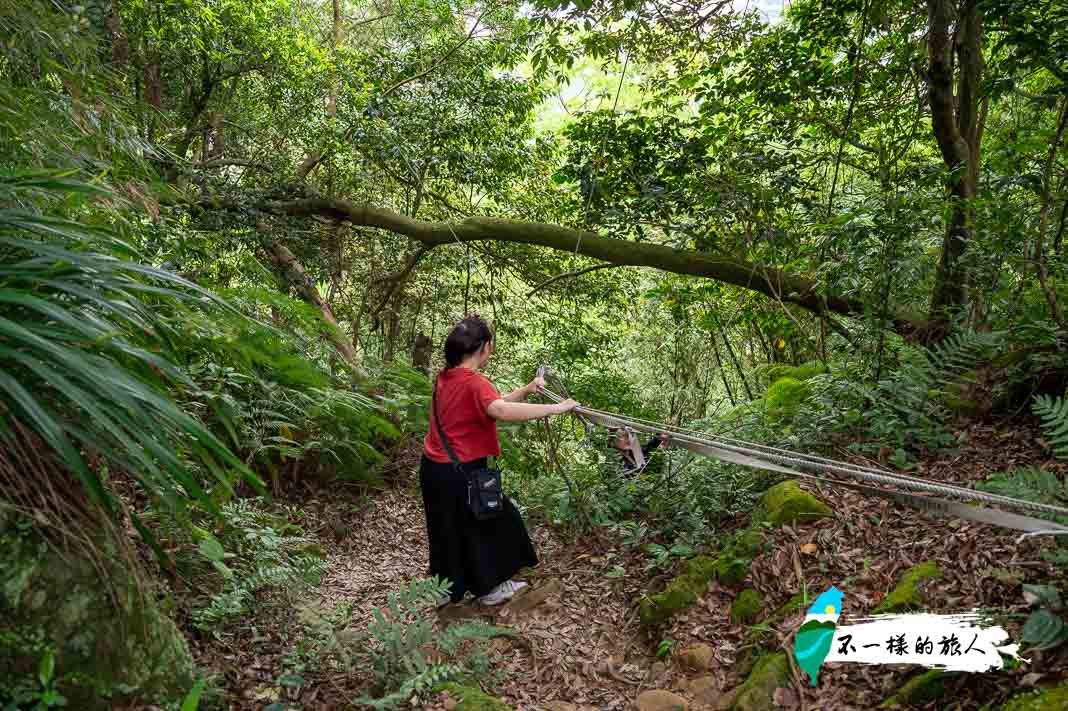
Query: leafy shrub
[[797, 372], [283, 406], [1044, 628], [903, 411], [784, 397], [40, 692], [405, 395], [88, 359]]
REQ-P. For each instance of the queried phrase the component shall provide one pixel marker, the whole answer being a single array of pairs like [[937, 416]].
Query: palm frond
[[86, 361]]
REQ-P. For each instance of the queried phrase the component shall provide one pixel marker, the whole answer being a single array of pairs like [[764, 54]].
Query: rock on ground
[[661, 700], [758, 691], [109, 641], [697, 657]]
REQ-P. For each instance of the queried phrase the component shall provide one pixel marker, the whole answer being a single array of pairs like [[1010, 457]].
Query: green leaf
[[291, 680], [192, 699], [656, 549], [1043, 630], [211, 549], [46, 667], [1046, 595], [223, 569]]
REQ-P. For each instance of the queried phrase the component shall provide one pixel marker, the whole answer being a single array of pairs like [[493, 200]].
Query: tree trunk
[[734, 359], [293, 272], [120, 45], [153, 93], [955, 123], [1043, 221], [421, 352], [331, 103], [1058, 239], [722, 371]]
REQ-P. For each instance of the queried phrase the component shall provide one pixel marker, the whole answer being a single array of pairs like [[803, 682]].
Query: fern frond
[[1030, 484], [962, 351], [426, 679], [1054, 416], [455, 635]]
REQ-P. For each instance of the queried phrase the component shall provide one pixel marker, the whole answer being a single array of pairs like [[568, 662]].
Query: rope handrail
[[783, 461]]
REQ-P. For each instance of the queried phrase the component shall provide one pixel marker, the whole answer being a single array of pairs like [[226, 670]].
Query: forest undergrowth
[[233, 236], [582, 643]]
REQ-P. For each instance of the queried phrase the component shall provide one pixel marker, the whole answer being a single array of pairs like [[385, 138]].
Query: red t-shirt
[[462, 398]]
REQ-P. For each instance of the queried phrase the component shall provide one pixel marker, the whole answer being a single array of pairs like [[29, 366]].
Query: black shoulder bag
[[485, 497]]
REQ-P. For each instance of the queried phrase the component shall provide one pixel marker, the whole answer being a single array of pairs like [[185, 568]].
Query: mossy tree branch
[[774, 283]]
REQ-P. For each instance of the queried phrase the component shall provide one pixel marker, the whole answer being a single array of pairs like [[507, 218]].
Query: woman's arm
[[523, 411], [520, 394]]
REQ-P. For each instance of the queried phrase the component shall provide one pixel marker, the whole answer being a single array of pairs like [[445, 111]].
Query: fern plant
[[408, 656], [256, 564], [1054, 416], [286, 407], [962, 350], [1030, 484], [424, 681], [902, 411]]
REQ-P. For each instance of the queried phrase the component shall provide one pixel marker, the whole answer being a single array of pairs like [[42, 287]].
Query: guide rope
[[828, 471]]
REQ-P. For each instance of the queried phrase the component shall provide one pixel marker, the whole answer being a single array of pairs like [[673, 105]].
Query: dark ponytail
[[466, 338]]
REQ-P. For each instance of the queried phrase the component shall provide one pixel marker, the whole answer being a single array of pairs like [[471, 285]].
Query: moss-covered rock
[[908, 595], [752, 652], [759, 637], [1053, 699], [729, 567], [784, 398], [757, 693], [698, 657], [109, 641], [661, 700], [747, 606], [798, 372], [788, 503], [732, 564], [470, 698], [681, 592], [920, 689]]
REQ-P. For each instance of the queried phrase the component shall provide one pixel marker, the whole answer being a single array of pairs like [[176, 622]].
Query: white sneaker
[[443, 601], [502, 592]]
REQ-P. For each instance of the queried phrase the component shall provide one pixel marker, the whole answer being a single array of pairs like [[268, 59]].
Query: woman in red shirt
[[476, 556]]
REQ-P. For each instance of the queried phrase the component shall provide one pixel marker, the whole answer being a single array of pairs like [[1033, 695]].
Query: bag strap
[[441, 432]]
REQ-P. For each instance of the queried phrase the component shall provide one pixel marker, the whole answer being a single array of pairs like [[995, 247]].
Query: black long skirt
[[475, 556]]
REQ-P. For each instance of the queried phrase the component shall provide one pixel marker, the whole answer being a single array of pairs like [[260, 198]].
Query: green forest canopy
[[883, 162]]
